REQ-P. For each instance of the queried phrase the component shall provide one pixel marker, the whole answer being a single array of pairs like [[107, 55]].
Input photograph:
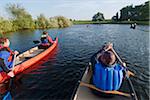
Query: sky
[[74, 9]]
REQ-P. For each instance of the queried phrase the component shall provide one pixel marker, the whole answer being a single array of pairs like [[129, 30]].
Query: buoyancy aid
[[44, 39], [108, 78], [7, 56]]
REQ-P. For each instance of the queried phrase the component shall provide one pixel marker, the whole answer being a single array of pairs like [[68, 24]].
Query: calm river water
[[55, 76]]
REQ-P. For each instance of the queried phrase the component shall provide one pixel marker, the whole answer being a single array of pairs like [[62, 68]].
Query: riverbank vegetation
[[133, 13], [109, 22], [21, 20], [98, 17]]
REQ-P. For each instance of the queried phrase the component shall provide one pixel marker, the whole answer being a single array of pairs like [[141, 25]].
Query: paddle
[[12, 77], [36, 41], [14, 61], [110, 92], [127, 76], [8, 95]]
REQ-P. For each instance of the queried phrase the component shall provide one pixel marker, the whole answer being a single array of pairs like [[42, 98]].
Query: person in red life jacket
[[6, 57], [107, 73], [46, 40]]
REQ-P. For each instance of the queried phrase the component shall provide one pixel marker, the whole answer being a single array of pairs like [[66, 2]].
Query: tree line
[[128, 13], [21, 20], [133, 13]]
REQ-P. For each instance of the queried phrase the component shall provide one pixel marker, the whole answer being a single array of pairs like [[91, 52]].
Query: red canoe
[[28, 58]]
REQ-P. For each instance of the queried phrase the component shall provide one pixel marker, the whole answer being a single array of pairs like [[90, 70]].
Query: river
[[55, 76]]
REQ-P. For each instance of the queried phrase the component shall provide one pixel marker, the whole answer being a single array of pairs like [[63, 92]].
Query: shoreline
[[110, 22], [79, 22]]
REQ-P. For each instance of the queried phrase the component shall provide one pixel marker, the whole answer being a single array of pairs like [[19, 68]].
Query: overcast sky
[[74, 9]]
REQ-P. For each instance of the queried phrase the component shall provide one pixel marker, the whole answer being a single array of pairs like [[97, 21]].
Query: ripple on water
[[57, 76]]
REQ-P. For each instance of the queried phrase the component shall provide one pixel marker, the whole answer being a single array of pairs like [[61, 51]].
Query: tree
[[117, 16], [20, 18], [126, 13], [5, 25], [42, 21], [53, 22], [139, 12], [63, 22], [114, 18], [98, 17]]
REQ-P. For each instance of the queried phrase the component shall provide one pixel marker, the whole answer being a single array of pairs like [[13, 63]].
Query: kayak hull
[[34, 55]]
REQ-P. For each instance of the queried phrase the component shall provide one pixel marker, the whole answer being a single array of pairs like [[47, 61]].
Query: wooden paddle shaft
[[124, 65], [129, 81], [110, 92], [117, 56], [14, 62]]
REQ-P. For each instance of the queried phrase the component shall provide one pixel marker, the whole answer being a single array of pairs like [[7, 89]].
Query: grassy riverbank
[[109, 22]]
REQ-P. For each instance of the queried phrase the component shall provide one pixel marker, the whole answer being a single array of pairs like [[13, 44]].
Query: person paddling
[[107, 73], [46, 40], [133, 26], [6, 57]]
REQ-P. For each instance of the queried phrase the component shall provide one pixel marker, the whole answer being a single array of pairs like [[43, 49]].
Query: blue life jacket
[[44, 39], [107, 78], [7, 96], [5, 55]]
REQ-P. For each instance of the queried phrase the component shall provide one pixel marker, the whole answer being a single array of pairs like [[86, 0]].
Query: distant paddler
[[133, 25], [46, 40]]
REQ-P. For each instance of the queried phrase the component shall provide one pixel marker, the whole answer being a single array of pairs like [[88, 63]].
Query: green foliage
[[63, 22], [21, 19], [98, 17], [109, 21], [53, 22], [115, 18], [5, 25], [137, 13], [42, 21]]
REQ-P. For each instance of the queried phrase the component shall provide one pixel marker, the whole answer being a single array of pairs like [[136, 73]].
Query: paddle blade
[[36, 41]]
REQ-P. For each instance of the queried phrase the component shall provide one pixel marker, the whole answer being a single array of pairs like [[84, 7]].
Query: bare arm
[[50, 39]]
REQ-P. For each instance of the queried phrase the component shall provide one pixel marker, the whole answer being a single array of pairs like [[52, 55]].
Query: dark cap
[[45, 32]]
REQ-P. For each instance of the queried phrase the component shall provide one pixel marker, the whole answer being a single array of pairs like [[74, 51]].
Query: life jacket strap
[[3, 66]]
